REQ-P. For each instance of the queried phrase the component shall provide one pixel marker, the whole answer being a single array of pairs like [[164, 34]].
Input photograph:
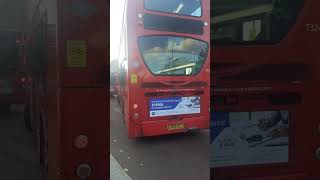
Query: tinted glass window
[[172, 24], [171, 55], [182, 7], [252, 21]]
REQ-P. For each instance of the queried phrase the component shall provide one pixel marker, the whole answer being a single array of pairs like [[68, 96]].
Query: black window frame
[[263, 18], [164, 12]]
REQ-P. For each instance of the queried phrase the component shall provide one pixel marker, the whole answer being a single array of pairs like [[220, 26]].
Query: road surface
[[18, 156]]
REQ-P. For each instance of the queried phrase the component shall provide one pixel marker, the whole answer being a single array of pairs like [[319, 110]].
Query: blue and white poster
[[249, 138], [174, 106]]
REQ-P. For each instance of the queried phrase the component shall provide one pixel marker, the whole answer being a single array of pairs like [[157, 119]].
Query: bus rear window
[[173, 56], [181, 7], [252, 21]]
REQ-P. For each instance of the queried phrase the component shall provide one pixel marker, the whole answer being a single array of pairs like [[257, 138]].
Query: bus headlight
[[84, 171], [135, 106], [318, 153]]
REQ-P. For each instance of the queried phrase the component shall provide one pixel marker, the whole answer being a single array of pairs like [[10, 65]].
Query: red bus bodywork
[[281, 76], [141, 85], [67, 98]]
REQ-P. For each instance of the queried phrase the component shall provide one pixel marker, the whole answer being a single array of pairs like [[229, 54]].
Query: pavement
[[116, 171]]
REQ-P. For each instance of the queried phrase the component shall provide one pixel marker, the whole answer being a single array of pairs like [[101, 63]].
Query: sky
[[116, 13]]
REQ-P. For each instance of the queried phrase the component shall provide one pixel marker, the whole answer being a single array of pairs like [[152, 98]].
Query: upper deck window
[[181, 7], [252, 21], [172, 55]]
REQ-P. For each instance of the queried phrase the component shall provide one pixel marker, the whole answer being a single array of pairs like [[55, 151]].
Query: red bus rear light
[[81, 141], [84, 171]]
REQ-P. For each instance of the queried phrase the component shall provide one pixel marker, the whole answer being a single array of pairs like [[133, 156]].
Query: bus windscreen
[[253, 21], [173, 56], [181, 7]]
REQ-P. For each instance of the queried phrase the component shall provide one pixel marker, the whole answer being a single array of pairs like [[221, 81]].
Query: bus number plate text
[[175, 126]]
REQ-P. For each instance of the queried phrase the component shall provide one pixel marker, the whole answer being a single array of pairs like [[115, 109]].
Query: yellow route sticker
[[77, 55], [134, 79]]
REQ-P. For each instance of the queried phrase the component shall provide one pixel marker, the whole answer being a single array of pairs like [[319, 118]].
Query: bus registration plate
[[175, 126]]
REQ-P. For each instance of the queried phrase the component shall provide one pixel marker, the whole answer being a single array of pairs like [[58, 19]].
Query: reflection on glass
[[255, 21], [251, 29], [170, 55], [182, 7]]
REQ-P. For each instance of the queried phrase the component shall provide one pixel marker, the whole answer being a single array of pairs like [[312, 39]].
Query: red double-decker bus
[[66, 106], [264, 90], [165, 69]]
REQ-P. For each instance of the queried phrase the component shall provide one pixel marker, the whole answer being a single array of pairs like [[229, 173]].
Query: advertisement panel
[[174, 106], [249, 138]]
